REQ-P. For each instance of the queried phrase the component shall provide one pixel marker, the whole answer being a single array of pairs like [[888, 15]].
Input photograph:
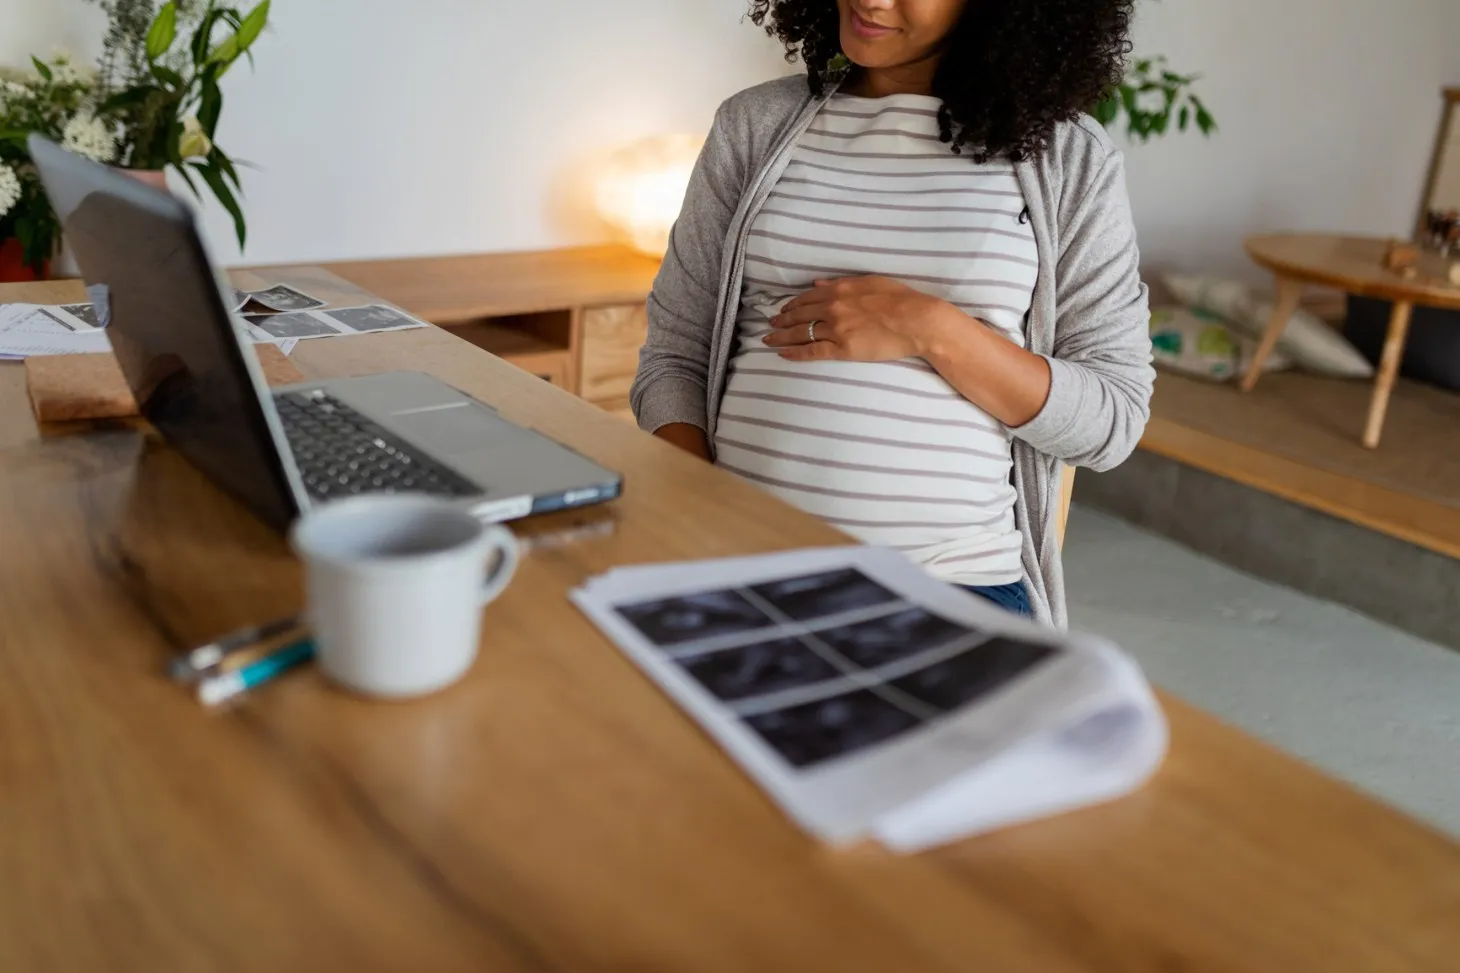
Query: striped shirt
[[887, 451]]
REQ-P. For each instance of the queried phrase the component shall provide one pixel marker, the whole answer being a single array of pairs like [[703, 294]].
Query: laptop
[[282, 451]]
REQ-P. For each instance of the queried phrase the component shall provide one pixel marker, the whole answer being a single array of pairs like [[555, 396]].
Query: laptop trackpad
[[450, 431]]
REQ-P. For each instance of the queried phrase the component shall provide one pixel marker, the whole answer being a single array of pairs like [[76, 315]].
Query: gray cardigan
[[1089, 317]]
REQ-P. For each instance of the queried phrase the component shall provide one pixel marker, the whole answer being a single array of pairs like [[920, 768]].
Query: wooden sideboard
[[574, 317]]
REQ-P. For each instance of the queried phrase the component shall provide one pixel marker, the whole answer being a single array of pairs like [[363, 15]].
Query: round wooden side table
[[1354, 265]]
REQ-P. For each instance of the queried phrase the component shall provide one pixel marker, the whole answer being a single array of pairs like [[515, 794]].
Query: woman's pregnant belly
[[889, 452]]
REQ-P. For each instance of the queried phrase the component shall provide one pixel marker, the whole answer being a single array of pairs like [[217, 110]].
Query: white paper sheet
[[870, 699]]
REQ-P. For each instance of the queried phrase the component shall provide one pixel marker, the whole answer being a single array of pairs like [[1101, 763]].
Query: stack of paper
[[871, 700], [30, 329]]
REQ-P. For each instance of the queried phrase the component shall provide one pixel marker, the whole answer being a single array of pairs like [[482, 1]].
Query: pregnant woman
[[903, 291]]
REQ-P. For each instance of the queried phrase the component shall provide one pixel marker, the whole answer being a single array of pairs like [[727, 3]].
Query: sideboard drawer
[[612, 337]]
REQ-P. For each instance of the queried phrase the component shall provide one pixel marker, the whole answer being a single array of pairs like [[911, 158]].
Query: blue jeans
[[1010, 597]]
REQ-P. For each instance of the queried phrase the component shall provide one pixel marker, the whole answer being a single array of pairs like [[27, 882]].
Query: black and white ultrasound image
[[687, 618], [815, 693], [821, 595], [877, 642], [814, 732], [747, 671], [971, 675]]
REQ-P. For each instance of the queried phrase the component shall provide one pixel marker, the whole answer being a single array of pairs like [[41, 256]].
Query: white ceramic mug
[[396, 586]]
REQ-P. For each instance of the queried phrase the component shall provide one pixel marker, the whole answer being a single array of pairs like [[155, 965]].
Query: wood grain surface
[[1354, 265], [554, 811], [448, 290]]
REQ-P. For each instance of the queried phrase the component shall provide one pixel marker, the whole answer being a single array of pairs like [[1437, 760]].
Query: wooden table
[[1354, 265], [555, 811]]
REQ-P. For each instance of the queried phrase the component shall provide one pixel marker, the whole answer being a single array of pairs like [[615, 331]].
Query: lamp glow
[[641, 189]]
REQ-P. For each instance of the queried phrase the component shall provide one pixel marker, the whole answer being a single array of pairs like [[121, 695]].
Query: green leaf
[[168, 77], [225, 165], [214, 178], [201, 36], [1184, 119], [1128, 98], [253, 25], [211, 106], [183, 171], [1204, 119], [1107, 109], [242, 39], [173, 140], [41, 68], [162, 32]]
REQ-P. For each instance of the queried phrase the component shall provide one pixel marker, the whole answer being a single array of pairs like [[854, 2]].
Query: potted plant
[[56, 99], [159, 85], [1154, 100]]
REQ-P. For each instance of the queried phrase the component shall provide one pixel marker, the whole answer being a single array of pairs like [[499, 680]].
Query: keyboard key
[[341, 453]]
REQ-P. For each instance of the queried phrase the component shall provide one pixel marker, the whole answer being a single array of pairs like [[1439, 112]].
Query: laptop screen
[[171, 332]]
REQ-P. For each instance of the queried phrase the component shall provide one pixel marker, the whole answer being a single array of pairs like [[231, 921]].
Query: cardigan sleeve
[[672, 380], [1101, 377]]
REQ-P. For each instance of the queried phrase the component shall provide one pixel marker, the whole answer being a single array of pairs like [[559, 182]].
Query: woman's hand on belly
[[874, 319], [855, 319]]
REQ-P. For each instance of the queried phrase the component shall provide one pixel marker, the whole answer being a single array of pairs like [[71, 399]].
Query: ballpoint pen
[[213, 690], [193, 665]]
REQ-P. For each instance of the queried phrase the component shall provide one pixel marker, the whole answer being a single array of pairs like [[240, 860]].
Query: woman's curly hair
[[1011, 71]]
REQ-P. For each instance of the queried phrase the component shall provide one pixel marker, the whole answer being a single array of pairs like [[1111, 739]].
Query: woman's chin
[[868, 55]]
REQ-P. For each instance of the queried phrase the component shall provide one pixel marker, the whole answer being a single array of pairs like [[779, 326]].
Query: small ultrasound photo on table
[[86, 312], [827, 729], [746, 671], [685, 618], [819, 595], [291, 324]]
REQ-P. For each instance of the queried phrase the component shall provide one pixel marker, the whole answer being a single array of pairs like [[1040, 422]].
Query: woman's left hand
[[868, 319]]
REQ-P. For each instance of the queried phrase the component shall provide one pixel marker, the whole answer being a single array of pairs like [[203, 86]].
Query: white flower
[[9, 189], [194, 142], [88, 136], [14, 89]]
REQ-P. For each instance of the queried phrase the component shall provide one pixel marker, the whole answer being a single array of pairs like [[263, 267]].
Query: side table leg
[[1288, 293], [1388, 371]]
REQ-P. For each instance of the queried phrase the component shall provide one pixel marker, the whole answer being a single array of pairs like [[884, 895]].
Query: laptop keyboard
[[341, 453]]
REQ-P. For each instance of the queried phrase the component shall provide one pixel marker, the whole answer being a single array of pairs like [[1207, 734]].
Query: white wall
[[1328, 113], [386, 127]]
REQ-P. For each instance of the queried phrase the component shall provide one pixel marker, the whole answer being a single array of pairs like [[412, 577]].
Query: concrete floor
[[1363, 701]]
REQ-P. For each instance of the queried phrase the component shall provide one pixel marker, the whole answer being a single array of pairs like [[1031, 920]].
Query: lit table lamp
[[641, 188]]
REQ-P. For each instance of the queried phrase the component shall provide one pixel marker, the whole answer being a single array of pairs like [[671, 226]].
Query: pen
[[191, 665], [213, 690]]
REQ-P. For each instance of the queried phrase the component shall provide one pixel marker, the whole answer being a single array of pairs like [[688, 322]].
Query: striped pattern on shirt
[[887, 451]]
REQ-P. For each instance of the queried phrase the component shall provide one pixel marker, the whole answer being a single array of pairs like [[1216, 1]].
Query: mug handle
[[504, 545]]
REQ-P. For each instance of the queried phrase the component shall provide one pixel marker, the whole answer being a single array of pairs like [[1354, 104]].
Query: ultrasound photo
[[672, 621], [819, 595], [282, 297], [86, 312], [295, 324], [755, 670], [829, 728], [375, 318], [981, 670], [882, 640]]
